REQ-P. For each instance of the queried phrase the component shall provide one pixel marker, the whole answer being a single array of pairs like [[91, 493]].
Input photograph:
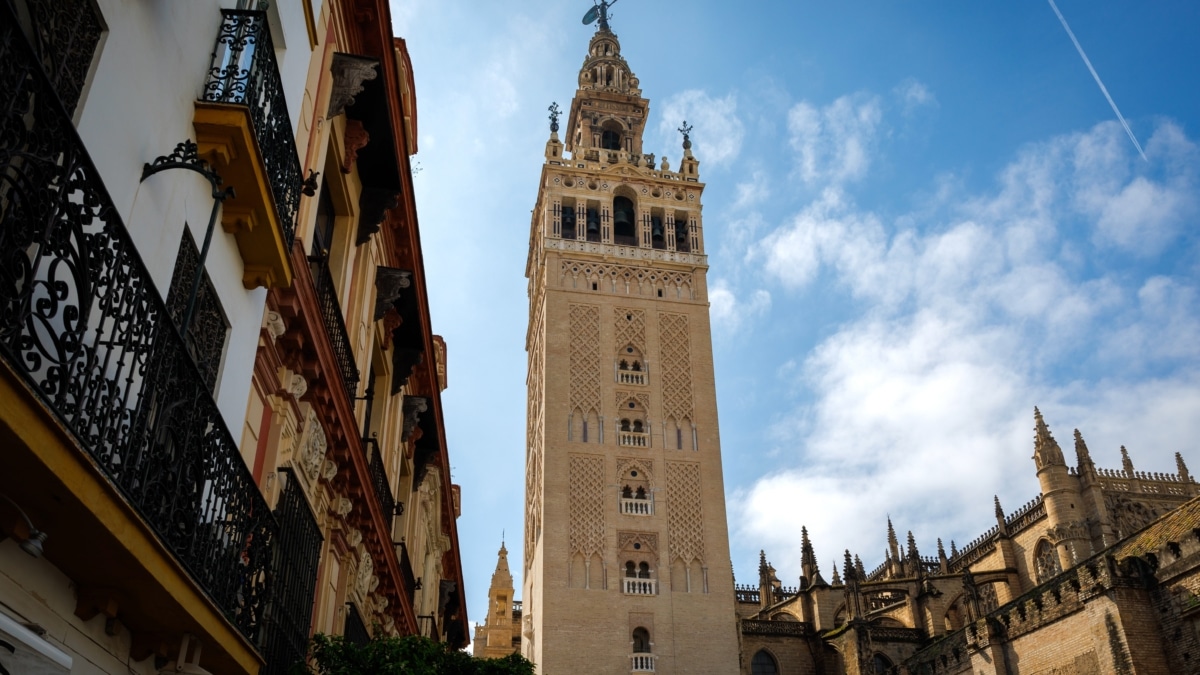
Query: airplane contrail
[[1096, 76]]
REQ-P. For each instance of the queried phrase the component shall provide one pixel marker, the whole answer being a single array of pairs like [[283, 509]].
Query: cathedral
[[626, 565]]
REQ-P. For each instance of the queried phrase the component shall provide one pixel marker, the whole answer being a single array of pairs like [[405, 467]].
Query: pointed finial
[[1082, 457], [837, 578], [1183, 470], [892, 541], [953, 549], [1045, 449], [858, 567], [999, 509], [554, 113], [912, 546], [849, 567], [1126, 463], [941, 549]]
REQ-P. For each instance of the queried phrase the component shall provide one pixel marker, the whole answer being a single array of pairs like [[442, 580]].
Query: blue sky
[[923, 219]]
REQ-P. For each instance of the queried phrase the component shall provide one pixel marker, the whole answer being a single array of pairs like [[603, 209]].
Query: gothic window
[[624, 222], [637, 367], [65, 35], [1046, 561], [624, 365], [763, 664], [627, 492], [641, 493], [881, 664], [641, 641], [205, 337]]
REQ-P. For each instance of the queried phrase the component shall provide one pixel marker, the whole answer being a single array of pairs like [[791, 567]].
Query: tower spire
[[1045, 449]]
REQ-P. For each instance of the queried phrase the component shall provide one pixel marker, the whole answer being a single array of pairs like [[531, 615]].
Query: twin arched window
[[637, 571]]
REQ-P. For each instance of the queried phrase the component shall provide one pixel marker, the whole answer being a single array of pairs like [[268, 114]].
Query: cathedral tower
[[626, 564]]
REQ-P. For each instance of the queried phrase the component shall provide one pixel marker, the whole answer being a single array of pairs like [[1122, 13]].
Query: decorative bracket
[[413, 406], [389, 281], [349, 73], [374, 203]]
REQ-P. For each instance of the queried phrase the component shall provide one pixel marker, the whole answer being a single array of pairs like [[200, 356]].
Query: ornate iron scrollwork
[[82, 322], [244, 72], [294, 565], [335, 328]]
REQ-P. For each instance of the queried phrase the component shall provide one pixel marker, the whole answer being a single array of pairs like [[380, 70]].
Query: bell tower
[[626, 562]]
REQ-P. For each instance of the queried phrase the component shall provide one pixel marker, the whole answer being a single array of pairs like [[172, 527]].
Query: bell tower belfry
[[626, 562]]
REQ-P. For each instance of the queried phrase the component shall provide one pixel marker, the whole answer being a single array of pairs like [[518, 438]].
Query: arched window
[[1045, 560], [627, 492], [610, 139], [625, 365], [641, 492], [637, 427], [637, 366], [624, 225], [763, 664], [881, 664], [641, 641], [630, 569], [644, 571], [625, 425]]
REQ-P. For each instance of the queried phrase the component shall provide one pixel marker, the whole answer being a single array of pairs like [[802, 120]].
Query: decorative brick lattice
[[685, 522], [585, 359], [676, 367], [626, 279], [587, 505], [623, 398], [535, 424], [631, 328]]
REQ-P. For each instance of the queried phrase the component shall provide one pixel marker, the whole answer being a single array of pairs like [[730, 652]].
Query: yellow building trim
[[225, 136], [59, 483]]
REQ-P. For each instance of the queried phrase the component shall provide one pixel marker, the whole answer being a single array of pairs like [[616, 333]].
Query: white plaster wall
[[150, 71], [34, 591]]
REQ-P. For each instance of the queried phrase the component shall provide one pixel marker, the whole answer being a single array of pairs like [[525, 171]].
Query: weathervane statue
[[600, 11]]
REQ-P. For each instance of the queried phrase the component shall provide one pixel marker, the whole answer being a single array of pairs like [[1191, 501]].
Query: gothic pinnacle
[[912, 546], [849, 571], [1045, 449], [858, 567], [999, 509], [1082, 456], [1183, 470], [837, 579], [1126, 463]]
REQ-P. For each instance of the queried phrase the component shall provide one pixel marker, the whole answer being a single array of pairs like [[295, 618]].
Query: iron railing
[[294, 569], [355, 631], [379, 479], [82, 322], [244, 72], [64, 35], [335, 327], [406, 571]]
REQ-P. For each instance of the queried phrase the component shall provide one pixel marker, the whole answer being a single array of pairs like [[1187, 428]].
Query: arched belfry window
[[568, 220], [641, 641], [658, 233], [610, 136], [763, 664], [624, 222]]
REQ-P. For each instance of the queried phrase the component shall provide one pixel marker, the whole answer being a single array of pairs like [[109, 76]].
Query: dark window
[[763, 664], [610, 140], [641, 641], [626, 492], [593, 225], [644, 571], [657, 239], [323, 228], [630, 570], [585, 430], [678, 438], [206, 336], [568, 222], [682, 241], [624, 227], [882, 664], [65, 34]]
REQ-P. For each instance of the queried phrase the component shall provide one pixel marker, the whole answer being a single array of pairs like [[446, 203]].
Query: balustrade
[[641, 663], [639, 586], [636, 507], [335, 327], [633, 439], [83, 323], [631, 377], [244, 72]]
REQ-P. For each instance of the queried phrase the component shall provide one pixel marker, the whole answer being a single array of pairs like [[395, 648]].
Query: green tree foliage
[[412, 655]]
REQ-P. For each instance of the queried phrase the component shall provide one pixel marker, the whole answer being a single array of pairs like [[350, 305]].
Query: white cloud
[[973, 310], [729, 312], [834, 143], [752, 192], [718, 131], [913, 94]]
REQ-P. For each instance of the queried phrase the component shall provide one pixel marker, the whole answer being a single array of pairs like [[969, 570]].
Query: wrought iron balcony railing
[[406, 570], [294, 566], [244, 72], [379, 479], [335, 327], [82, 322]]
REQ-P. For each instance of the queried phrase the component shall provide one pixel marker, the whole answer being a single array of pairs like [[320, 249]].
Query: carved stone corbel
[[413, 406], [356, 139], [404, 360], [373, 205], [349, 72], [389, 282]]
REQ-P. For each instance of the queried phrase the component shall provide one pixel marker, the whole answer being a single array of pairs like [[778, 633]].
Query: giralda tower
[[626, 547]]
